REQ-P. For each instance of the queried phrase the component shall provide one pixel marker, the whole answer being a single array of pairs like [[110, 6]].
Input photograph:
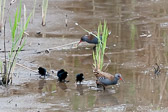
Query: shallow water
[[138, 40]]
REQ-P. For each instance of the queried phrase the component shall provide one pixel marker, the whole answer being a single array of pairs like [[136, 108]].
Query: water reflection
[[79, 88], [41, 84], [62, 86], [106, 99], [138, 41]]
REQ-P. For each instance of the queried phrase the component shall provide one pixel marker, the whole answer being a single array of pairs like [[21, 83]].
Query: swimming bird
[[79, 77], [62, 75], [105, 79], [42, 71]]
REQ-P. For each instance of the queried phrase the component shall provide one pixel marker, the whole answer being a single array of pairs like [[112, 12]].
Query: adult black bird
[[79, 77], [62, 75], [42, 71], [105, 79]]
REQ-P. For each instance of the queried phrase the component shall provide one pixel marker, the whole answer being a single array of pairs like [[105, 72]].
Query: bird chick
[[79, 78], [62, 75], [42, 71]]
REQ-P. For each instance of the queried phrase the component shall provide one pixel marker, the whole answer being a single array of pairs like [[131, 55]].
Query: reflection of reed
[[162, 89]]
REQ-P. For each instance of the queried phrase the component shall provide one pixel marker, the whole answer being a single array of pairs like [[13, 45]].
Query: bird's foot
[[99, 85], [63, 81]]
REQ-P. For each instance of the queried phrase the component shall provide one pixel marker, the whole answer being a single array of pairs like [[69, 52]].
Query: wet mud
[[138, 40]]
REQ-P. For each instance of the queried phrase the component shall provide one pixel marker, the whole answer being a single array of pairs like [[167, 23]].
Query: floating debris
[[164, 25]]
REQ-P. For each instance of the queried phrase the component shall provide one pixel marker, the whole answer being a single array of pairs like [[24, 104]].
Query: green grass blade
[[14, 26], [20, 9]]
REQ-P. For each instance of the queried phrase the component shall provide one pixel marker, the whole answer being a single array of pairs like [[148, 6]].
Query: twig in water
[[66, 21], [57, 47], [90, 33]]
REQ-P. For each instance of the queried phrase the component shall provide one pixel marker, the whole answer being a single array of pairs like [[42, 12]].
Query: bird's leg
[[100, 84], [94, 48], [103, 87]]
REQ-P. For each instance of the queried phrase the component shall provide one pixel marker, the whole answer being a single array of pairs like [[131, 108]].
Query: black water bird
[[42, 71], [62, 75], [79, 78]]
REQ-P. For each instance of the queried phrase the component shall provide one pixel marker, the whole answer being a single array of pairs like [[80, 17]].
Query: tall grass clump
[[18, 29], [44, 12], [98, 54]]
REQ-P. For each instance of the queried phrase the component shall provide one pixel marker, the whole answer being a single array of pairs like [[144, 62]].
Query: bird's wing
[[99, 73], [90, 37]]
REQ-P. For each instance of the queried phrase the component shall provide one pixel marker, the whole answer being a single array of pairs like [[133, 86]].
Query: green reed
[[44, 11], [18, 29], [98, 54]]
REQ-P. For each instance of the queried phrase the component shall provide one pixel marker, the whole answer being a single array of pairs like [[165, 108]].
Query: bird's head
[[40, 68], [61, 70], [118, 76], [81, 74], [83, 39]]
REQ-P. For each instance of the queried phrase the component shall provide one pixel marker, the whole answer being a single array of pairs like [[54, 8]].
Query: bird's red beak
[[122, 79], [79, 43]]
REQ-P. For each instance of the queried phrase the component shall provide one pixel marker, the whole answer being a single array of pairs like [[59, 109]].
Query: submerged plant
[[98, 54], [44, 12], [18, 41]]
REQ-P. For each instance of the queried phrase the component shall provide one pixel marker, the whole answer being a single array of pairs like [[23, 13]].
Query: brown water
[[138, 40]]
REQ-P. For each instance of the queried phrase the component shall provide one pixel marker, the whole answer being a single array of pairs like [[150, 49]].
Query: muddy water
[[138, 40]]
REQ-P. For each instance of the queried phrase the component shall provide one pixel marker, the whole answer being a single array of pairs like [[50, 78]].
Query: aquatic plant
[[18, 41], [98, 54], [44, 12]]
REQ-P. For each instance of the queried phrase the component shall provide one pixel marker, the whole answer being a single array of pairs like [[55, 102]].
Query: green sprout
[[98, 54]]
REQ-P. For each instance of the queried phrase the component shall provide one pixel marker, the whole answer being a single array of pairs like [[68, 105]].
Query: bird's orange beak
[[79, 43], [122, 79]]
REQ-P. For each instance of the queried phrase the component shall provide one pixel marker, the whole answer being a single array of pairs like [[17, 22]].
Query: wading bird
[[89, 39], [105, 79]]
